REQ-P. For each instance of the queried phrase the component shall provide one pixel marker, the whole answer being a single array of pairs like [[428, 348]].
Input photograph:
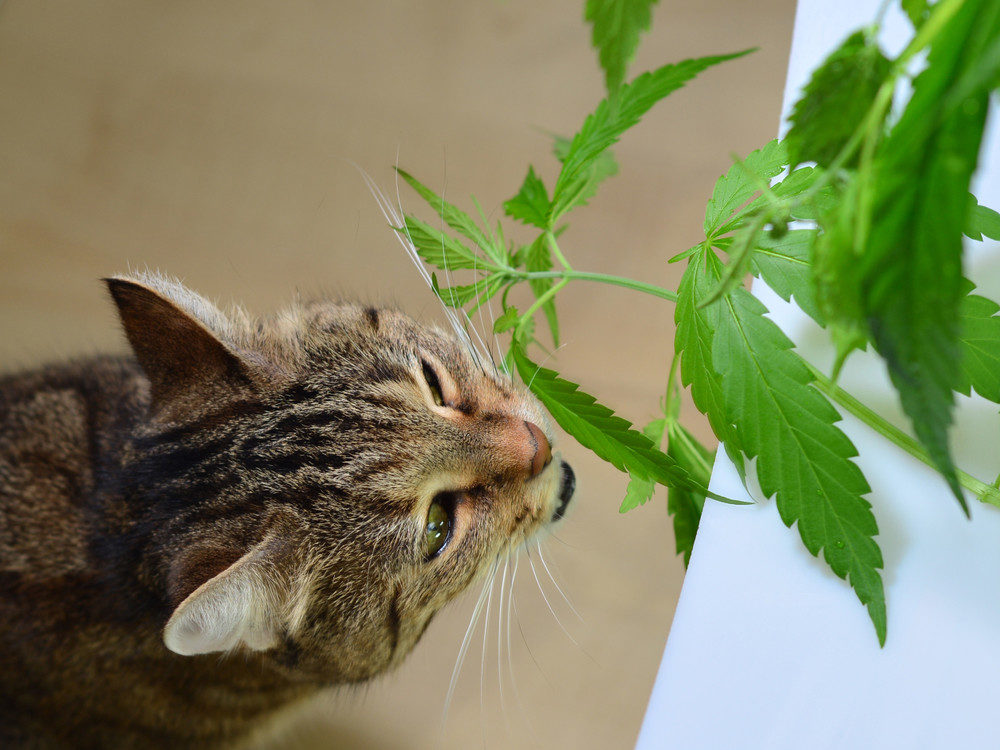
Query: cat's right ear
[[186, 361]]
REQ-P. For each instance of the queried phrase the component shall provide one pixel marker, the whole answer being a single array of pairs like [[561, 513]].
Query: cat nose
[[543, 451]]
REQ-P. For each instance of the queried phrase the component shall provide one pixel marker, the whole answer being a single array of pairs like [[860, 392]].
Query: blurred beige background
[[210, 140]]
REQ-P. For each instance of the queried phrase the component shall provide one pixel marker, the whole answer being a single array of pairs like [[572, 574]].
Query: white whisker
[[546, 599], [482, 661], [527, 647], [398, 223], [541, 364], [538, 546], [463, 650], [500, 608]]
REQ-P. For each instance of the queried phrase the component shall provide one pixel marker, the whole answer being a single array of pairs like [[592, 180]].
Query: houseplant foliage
[[858, 215]]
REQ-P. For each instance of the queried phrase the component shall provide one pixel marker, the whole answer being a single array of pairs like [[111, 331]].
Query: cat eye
[[433, 383], [438, 529]]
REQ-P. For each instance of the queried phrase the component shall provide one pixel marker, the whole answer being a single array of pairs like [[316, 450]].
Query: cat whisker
[[398, 223], [500, 609], [538, 546], [464, 648], [489, 349], [541, 364], [482, 660], [447, 273], [516, 554], [524, 639], [546, 599]]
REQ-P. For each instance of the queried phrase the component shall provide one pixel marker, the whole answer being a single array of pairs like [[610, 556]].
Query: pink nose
[[543, 452]]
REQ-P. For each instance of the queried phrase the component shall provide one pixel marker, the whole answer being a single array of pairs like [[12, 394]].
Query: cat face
[[323, 482]]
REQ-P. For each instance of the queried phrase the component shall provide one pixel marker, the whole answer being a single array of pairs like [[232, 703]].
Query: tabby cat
[[244, 513]]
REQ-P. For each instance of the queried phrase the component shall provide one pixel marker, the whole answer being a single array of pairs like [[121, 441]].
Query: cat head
[[317, 485]]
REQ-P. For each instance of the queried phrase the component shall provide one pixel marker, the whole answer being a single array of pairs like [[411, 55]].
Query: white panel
[[768, 648]]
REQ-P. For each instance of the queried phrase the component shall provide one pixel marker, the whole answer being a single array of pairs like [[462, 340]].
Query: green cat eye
[[433, 383], [438, 530]]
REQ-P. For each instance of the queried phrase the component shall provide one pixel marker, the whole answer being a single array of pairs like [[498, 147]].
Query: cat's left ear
[[245, 604], [181, 342]]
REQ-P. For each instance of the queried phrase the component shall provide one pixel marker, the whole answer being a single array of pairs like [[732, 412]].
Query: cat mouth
[[566, 487]]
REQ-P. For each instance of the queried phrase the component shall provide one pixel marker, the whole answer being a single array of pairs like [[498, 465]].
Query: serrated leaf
[[437, 248], [531, 204], [590, 179], [836, 100], [639, 490], [506, 321], [981, 222], [800, 181], [596, 427], [455, 218], [785, 265], [693, 343], [617, 26], [459, 295], [736, 187], [684, 506], [803, 459], [980, 347], [602, 128], [911, 270]]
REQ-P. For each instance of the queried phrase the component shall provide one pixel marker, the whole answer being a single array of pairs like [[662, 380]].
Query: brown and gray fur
[[249, 492]]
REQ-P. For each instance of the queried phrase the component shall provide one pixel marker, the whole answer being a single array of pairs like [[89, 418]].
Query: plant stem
[[550, 240], [639, 286], [883, 427], [542, 299]]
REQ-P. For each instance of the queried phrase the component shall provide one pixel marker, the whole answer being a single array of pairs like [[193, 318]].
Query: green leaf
[[785, 265], [917, 11], [531, 204], [792, 187], [911, 270], [740, 252], [835, 273], [981, 222], [605, 125], [506, 321], [617, 26], [836, 100], [439, 249], [980, 342], [455, 218], [683, 505], [590, 178], [803, 459], [639, 490], [736, 187], [696, 328], [596, 427], [459, 295]]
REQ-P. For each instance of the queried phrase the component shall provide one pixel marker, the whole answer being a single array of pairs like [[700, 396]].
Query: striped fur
[[253, 487]]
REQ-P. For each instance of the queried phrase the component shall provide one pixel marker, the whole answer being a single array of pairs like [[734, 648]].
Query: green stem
[[639, 286], [542, 299], [550, 240], [883, 427]]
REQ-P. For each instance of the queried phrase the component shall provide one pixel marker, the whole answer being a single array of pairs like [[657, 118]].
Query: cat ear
[[175, 335], [244, 604]]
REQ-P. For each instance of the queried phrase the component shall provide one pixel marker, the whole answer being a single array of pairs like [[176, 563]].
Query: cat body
[[244, 513]]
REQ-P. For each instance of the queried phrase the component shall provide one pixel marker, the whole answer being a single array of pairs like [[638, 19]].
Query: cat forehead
[[376, 330]]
